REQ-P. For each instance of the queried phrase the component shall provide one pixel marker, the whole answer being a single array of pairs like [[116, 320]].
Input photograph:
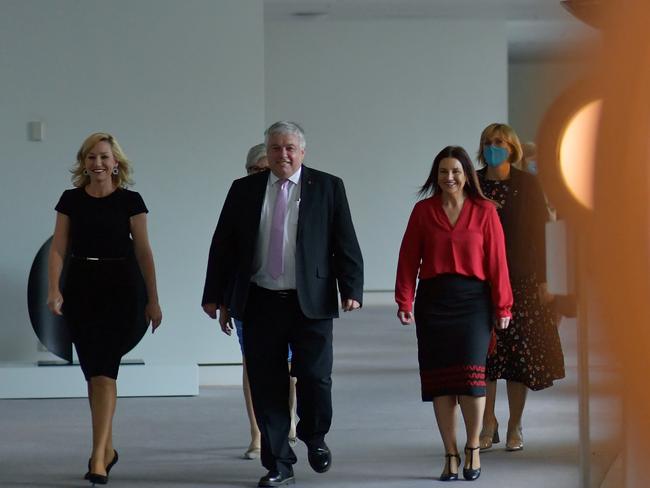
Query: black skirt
[[100, 307], [453, 317]]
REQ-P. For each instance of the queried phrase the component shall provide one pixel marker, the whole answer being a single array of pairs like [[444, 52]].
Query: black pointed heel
[[116, 458], [97, 479], [87, 472], [108, 468], [468, 473], [449, 476]]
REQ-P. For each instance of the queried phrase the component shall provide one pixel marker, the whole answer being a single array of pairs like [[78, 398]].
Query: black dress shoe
[[447, 474], [320, 458], [275, 478], [468, 473]]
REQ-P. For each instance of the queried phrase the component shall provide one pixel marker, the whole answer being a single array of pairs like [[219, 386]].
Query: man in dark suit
[[283, 243]]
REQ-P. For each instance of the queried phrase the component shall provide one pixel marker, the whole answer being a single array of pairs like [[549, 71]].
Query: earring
[[116, 171], [85, 172]]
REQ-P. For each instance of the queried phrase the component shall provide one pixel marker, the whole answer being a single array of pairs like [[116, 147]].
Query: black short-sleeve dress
[[99, 294]]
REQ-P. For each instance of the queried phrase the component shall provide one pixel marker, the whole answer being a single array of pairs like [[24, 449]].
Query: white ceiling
[[537, 29]]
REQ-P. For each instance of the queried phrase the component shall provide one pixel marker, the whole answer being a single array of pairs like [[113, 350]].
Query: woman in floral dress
[[528, 355]]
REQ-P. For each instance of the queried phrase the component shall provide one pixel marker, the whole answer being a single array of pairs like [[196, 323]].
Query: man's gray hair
[[286, 127], [255, 153], [529, 149]]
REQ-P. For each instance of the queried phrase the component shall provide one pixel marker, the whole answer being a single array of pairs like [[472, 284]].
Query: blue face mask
[[531, 167], [494, 155]]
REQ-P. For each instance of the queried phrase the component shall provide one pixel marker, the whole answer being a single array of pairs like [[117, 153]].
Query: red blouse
[[475, 246]]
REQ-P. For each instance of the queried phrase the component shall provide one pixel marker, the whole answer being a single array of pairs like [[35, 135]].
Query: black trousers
[[273, 320]]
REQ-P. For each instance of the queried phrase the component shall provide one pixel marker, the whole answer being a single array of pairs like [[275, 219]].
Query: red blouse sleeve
[[496, 265], [410, 256]]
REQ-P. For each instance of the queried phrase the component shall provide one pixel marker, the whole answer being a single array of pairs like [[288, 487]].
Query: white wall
[[185, 86], [181, 85], [378, 99], [533, 87]]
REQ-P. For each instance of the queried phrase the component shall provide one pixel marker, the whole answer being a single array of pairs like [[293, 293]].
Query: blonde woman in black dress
[[102, 226], [528, 355]]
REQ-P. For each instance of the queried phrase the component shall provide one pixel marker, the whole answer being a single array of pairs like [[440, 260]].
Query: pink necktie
[[275, 261]]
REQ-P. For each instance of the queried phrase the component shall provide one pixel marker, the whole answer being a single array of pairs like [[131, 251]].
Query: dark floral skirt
[[529, 350]]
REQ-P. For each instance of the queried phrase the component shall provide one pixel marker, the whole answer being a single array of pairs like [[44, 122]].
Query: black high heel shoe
[[449, 476], [97, 479], [468, 473], [116, 458]]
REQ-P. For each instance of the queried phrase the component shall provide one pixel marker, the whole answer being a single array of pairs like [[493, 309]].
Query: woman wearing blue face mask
[[528, 354]]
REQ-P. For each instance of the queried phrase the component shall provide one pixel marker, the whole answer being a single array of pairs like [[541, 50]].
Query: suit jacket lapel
[[256, 197], [307, 188]]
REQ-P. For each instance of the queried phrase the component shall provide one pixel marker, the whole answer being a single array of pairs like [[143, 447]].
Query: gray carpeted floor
[[383, 435]]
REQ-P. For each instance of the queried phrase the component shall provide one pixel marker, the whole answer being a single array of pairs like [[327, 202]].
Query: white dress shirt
[[287, 280]]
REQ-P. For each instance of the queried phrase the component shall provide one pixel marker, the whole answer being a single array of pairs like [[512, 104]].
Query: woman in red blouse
[[454, 244]]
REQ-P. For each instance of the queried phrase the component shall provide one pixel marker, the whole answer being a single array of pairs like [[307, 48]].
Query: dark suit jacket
[[327, 250]]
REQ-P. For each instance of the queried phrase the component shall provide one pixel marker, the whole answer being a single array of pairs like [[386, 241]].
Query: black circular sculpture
[[52, 330]]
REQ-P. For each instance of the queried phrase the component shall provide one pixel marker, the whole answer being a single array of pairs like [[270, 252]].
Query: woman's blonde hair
[[122, 179], [508, 135]]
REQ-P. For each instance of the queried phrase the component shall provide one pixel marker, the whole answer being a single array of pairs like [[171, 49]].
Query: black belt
[[88, 258], [277, 293]]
